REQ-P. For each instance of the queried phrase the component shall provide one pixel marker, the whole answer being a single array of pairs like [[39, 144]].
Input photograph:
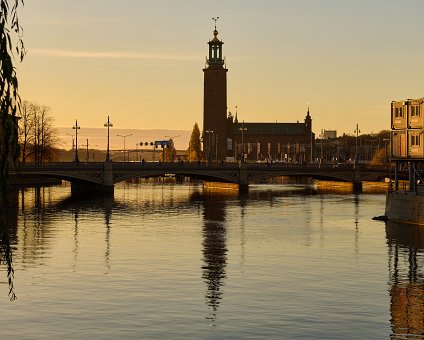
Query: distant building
[[226, 138], [329, 134]]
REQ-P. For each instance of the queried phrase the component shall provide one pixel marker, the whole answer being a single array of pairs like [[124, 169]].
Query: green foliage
[[195, 150]]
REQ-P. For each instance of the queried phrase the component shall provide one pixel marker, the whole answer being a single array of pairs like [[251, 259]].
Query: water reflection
[[406, 278], [34, 225], [103, 204], [39, 209], [214, 251]]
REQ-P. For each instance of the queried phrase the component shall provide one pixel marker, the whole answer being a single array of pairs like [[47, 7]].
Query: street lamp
[[76, 128], [209, 143], [242, 129], [108, 125], [357, 131], [124, 136], [87, 151], [321, 136]]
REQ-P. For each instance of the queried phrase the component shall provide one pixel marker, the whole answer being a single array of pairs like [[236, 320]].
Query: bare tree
[[37, 136], [26, 127]]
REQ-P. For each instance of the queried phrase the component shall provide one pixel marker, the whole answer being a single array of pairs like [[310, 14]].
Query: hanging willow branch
[[11, 48]]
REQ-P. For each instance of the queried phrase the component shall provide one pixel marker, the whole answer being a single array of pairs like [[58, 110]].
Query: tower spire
[[215, 59], [215, 19]]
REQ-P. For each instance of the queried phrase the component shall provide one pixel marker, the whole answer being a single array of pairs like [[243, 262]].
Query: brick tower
[[215, 102]]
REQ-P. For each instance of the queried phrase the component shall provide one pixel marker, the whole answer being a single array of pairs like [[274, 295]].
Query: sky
[[140, 62]]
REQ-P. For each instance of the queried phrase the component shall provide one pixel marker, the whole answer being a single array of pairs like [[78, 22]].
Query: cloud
[[55, 53]]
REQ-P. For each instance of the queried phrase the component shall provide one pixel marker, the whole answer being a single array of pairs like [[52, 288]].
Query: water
[[162, 260]]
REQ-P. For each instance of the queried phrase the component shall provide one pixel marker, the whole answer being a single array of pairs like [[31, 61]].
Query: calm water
[[172, 261]]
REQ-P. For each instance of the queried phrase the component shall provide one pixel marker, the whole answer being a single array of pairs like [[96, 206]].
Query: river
[[165, 260]]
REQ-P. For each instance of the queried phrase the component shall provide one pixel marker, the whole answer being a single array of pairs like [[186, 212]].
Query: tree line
[[37, 139]]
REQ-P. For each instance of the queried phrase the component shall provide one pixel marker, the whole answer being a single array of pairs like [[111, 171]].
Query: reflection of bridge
[[103, 175]]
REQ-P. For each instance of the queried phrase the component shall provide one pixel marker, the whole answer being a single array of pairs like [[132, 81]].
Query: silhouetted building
[[215, 102], [225, 138]]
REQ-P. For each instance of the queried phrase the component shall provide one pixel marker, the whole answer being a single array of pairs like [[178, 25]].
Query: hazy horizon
[[97, 137]]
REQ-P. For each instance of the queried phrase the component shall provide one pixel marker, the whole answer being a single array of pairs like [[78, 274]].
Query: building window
[[415, 111], [415, 140], [269, 149], [398, 112]]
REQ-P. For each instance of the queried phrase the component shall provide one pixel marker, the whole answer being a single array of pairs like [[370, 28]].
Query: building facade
[[226, 138], [407, 125]]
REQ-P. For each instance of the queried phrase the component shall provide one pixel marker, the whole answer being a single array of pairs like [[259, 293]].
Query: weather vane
[[215, 19]]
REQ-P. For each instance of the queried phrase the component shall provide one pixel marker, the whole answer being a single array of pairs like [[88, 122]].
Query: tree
[[36, 134], [169, 152], [26, 125], [195, 150], [380, 157], [9, 107], [9, 98]]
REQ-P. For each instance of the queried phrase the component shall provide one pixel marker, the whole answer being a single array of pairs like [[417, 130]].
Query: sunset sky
[[141, 61]]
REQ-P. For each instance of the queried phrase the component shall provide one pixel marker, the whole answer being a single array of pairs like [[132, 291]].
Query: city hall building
[[227, 138]]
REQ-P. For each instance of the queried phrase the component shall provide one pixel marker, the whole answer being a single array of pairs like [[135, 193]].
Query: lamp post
[[321, 136], [87, 158], [108, 125], [242, 129], [76, 128], [356, 142], [124, 136], [209, 143]]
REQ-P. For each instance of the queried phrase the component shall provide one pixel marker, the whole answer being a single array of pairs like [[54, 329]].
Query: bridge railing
[[196, 164]]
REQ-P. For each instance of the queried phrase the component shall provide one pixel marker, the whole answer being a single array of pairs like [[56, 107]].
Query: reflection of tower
[[214, 251], [215, 102], [406, 271]]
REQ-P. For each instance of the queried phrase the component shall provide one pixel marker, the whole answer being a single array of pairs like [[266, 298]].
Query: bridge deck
[[96, 172]]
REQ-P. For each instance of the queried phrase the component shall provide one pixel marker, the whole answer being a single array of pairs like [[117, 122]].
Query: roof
[[409, 100], [270, 128], [215, 39]]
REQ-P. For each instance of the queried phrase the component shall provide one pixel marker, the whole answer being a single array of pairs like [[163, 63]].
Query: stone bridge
[[103, 175]]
